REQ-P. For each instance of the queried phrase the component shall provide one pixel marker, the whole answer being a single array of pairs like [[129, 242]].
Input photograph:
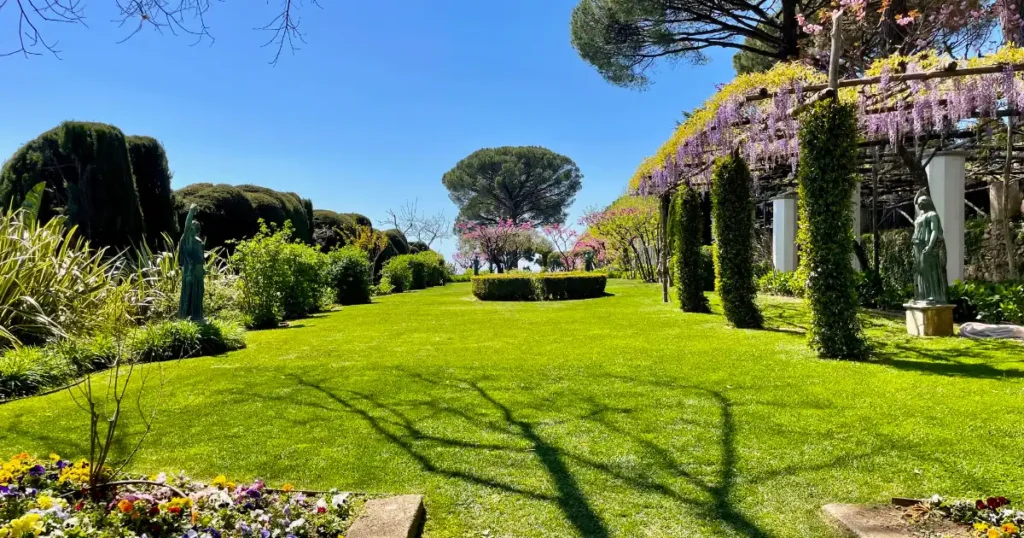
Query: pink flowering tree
[[629, 229], [563, 239], [589, 247], [501, 244]]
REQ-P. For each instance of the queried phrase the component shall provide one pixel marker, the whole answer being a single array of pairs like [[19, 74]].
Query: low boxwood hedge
[[539, 287]]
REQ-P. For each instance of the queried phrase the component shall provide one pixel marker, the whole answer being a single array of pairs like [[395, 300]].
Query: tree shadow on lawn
[[957, 357], [714, 502]]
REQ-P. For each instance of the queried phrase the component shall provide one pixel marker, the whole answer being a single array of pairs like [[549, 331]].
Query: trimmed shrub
[[230, 214], [504, 287], [306, 290], [330, 229], [88, 178], [563, 286], [358, 220], [405, 272], [415, 247], [687, 224], [279, 279], [828, 158], [538, 287], [733, 219], [225, 214], [348, 272], [434, 267], [153, 184]]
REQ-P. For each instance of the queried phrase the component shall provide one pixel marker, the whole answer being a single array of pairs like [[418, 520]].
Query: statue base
[[929, 319]]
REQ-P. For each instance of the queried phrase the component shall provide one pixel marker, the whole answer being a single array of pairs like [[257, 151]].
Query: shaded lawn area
[[618, 416]]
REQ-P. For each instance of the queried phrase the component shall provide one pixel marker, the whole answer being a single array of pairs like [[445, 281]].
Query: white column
[[856, 223], [784, 232], [946, 184]]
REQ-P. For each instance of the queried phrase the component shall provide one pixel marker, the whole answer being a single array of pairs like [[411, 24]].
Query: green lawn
[[618, 416]]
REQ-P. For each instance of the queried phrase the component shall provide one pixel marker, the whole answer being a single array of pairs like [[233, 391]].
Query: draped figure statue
[[193, 272], [930, 287]]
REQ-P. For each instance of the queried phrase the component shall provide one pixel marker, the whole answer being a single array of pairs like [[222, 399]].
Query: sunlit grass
[[618, 416]]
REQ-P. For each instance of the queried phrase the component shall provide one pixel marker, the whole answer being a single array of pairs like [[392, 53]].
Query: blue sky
[[383, 99]]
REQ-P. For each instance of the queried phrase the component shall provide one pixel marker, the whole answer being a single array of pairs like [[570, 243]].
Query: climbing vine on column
[[687, 224], [828, 158], [732, 209]]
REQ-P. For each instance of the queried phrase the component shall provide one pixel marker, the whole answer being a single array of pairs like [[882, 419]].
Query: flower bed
[[539, 287], [49, 498]]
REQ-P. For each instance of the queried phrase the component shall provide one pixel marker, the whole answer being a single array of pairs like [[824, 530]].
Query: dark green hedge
[[230, 213], [88, 176], [733, 218], [330, 229], [687, 223], [828, 159], [153, 184], [538, 287]]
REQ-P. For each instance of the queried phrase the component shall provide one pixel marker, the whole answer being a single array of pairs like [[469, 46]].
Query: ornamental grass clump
[[687, 222], [828, 158], [733, 218]]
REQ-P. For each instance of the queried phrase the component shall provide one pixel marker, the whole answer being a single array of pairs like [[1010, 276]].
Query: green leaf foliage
[[153, 183], [88, 178], [687, 223], [733, 217], [538, 287], [521, 184], [348, 273], [828, 158], [229, 213], [331, 229]]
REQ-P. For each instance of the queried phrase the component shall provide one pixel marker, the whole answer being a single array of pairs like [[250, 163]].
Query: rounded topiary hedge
[[687, 223], [88, 176], [153, 184], [229, 213], [538, 287], [330, 229], [828, 159], [733, 218]]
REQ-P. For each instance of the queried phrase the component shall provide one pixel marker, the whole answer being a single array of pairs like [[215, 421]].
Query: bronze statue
[[930, 287], [193, 271]]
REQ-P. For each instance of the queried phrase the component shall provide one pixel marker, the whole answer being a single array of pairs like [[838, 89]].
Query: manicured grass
[[617, 416]]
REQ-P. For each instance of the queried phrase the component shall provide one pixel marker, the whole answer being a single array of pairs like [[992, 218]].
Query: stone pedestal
[[929, 320]]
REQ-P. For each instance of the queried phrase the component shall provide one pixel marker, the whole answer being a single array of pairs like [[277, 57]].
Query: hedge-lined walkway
[[616, 416]]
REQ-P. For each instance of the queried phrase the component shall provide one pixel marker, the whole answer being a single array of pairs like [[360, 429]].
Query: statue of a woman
[[930, 286], [193, 274]]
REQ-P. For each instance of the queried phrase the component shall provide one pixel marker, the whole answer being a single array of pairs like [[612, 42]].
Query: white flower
[[221, 499], [338, 500], [161, 478], [321, 505], [296, 524]]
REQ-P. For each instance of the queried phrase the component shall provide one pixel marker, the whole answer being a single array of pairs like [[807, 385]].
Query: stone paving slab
[[393, 517]]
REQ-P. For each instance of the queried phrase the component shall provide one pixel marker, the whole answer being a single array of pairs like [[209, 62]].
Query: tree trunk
[[1004, 221], [894, 34], [790, 32]]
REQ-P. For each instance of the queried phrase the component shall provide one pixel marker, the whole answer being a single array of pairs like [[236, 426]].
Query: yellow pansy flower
[[1010, 528], [45, 502], [220, 481]]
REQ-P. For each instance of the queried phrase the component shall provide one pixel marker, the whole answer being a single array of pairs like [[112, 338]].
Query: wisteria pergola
[[910, 110]]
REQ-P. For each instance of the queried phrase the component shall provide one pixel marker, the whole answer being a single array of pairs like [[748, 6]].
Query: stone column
[[784, 219], [946, 184], [856, 223]]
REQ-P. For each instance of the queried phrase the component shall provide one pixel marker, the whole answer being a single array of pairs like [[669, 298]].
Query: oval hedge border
[[539, 287]]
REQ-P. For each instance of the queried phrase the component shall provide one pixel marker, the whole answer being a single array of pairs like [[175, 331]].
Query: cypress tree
[[153, 183]]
